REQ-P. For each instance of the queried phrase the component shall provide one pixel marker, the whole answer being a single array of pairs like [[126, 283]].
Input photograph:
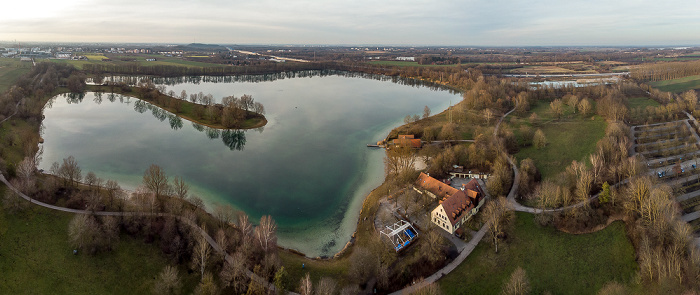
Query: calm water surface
[[309, 167]]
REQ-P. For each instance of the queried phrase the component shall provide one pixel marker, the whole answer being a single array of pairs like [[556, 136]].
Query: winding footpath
[[471, 245], [209, 239]]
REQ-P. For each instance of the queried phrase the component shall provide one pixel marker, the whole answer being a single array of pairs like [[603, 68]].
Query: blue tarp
[[410, 233]]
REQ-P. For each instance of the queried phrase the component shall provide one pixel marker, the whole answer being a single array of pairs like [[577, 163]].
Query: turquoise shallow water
[[309, 167]]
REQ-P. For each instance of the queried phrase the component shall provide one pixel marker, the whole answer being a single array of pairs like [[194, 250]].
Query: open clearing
[[574, 137], [641, 102], [554, 261]]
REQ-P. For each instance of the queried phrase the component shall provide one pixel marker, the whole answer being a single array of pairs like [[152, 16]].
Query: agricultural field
[[10, 70], [678, 85], [554, 261], [137, 58]]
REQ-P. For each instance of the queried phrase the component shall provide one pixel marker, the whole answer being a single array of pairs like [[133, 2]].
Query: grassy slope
[[335, 268], [573, 138], [37, 258], [554, 261], [678, 85]]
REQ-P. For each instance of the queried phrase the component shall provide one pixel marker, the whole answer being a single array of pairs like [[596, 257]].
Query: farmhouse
[[457, 208], [408, 140]]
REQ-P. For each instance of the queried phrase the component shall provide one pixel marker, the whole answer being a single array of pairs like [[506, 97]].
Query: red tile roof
[[415, 143], [435, 186], [406, 136], [461, 202]]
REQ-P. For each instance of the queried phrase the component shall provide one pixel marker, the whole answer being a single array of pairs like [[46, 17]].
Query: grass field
[[641, 102], [566, 141], [336, 269], [678, 85], [572, 138], [10, 70], [554, 261], [37, 259], [400, 63]]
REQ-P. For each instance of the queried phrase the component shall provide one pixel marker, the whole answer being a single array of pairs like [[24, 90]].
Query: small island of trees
[[232, 113]]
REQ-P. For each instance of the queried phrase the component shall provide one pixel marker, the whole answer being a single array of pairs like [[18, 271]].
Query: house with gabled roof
[[408, 140], [455, 209], [433, 187]]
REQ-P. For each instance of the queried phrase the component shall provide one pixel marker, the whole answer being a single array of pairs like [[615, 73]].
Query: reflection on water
[[310, 169], [234, 139], [196, 80]]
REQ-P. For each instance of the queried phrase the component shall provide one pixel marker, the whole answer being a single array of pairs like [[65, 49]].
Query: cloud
[[414, 22]]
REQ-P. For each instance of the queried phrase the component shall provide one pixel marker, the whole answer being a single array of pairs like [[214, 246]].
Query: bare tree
[[426, 112], [155, 180], [90, 179], [557, 107], [246, 234], [585, 106], [258, 108], [518, 284], [363, 265], [207, 286], [70, 170], [183, 95], [433, 246], [83, 231], [222, 241], [305, 285], [326, 286], [202, 251], [224, 214], [498, 214], [180, 187], [539, 140], [266, 233], [113, 190], [233, 274], [197, 202], [168, 281]]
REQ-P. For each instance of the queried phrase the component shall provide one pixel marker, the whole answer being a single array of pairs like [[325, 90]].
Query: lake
[[309, 167]]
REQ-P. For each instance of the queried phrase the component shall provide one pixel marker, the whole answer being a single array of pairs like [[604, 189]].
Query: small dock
[[379, 144]]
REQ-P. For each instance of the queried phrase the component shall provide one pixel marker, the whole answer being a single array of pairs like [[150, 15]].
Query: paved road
[[209, 239], [691, 216]]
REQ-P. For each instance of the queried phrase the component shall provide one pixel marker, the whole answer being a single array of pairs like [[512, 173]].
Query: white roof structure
[[400, 234]]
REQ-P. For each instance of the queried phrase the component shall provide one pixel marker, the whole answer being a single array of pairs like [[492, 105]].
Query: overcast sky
[[391, 22]]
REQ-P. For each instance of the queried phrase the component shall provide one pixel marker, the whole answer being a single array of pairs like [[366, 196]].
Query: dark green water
[[309, 167]]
